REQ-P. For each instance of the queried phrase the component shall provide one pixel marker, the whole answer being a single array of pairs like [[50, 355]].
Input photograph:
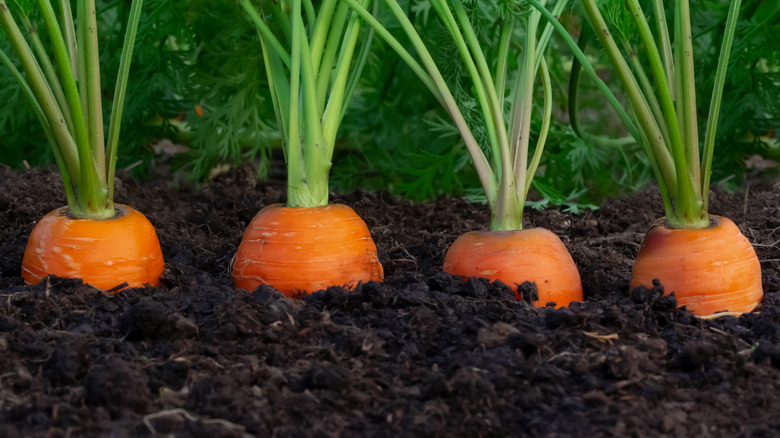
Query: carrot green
[[309, 62], [62, 82], [661, 95]]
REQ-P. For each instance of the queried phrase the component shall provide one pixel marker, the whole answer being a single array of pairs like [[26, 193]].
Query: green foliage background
[[396, 136]]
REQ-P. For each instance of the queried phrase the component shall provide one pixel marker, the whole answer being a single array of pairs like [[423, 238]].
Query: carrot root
[[103, 253], [305, 250], [514, 257], [709, 270]]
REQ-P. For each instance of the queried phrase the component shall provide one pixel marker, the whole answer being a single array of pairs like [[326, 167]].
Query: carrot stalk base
[[709, 270], [103, 253], [514, 257], [306, 249]]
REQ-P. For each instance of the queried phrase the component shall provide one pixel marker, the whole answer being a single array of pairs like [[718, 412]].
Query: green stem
[[70, 33], [337, 101], [649, 94], [511, 196], [503, 61], [316, 145], [62, 58], [640, 107], [394, 44], [261, 25], [574, 82], [547, 32], [689, 96], [120, 92], [92, 193], [328, 60], [49, 71], [484, 172], [608, 142], [717, 95], [359, 65], [686, 205], [311, 15], [588, 68], [540, 143], [296, 183], [281, 19], [94, 96], [574, 78], [495, 100], [58, 158], [665, 192], [42, 92], [666, 47], [507, 212], [435, 82], [324, 21], [480, 82], [678, 78], [81, 69], [667, 118], [279, 86], [520, 125]]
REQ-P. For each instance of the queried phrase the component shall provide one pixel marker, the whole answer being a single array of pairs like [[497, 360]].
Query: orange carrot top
[[514, 257], [305, 250], [709, 270], [104, 253]]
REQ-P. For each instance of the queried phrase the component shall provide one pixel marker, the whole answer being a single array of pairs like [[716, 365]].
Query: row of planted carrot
[[314, 55]]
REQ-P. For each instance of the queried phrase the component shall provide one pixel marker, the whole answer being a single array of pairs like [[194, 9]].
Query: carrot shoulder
[[514, 257], [305, 249], [103, 253], [709, 270]]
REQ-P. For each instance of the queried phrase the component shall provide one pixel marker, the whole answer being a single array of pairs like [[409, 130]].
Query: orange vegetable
[[514, 257], [103, 253], [709, 270], [306, 249]]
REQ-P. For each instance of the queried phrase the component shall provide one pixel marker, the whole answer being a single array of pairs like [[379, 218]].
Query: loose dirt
[[422, 354]]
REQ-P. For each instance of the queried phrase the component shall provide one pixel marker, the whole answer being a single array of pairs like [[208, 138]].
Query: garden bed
[[423, 354]]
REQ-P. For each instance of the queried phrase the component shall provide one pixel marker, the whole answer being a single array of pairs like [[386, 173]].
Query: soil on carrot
[[422, 354]]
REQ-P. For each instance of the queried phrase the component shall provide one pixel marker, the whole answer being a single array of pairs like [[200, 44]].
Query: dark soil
[[422, 354]]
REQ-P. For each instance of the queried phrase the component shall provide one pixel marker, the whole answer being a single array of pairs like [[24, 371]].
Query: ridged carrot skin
[[709, 270], [103, 253], [514, 257], [306, 249]]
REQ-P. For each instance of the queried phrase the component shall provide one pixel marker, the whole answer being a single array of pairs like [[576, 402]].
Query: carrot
[[514, 257], [104, 253], [308, 244], [709, 270], [506, 171], [704, 259], [305, 250], [103, 243]]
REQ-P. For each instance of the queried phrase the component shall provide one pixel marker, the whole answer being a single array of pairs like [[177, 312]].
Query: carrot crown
[[661, 94], [62, 82], [507, 175], [312, 76]]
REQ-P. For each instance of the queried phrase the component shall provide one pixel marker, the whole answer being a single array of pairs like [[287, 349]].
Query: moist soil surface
[[422, 354]]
